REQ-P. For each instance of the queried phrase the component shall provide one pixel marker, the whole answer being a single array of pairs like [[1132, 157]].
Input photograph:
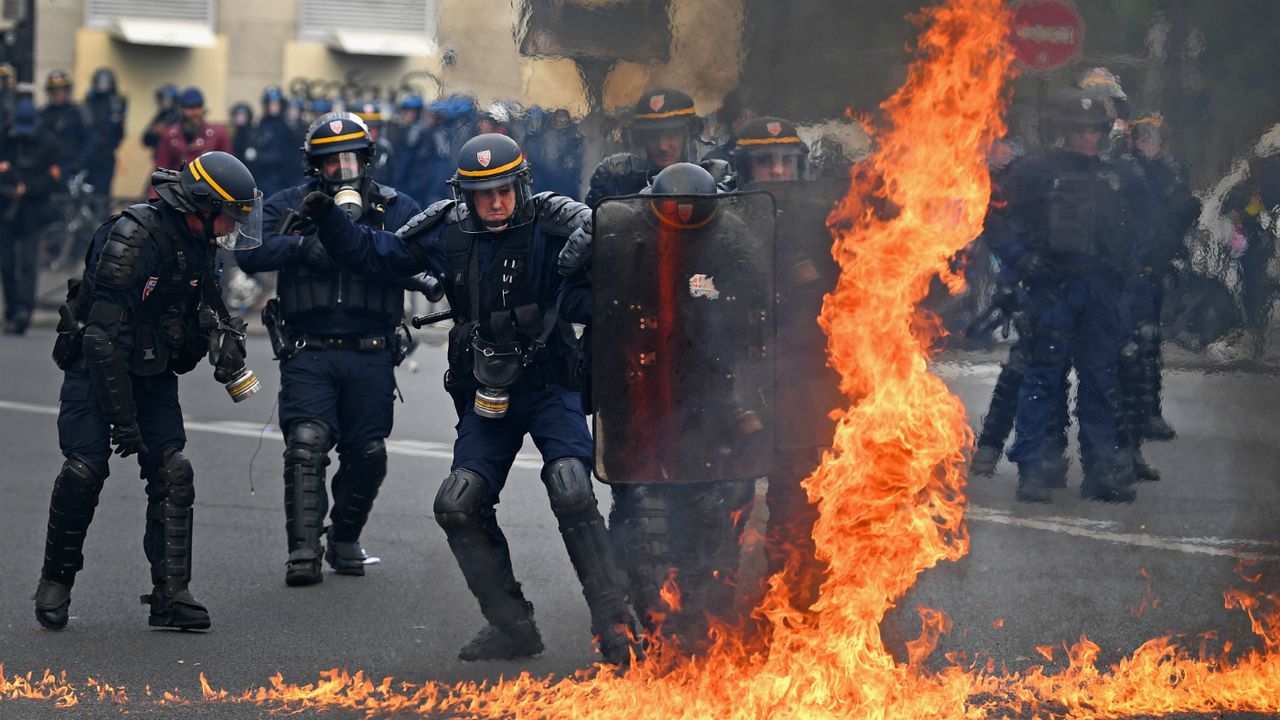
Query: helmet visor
[[341, 167], [248, 218]]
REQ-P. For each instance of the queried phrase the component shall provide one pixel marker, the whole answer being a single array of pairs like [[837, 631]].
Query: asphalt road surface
[[1035, 575]]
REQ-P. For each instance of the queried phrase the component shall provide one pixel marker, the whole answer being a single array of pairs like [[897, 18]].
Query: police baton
[[420, 321]]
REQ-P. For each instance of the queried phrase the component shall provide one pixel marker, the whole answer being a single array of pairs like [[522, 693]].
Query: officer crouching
[[146, 310], [510, 375], [334, 333]]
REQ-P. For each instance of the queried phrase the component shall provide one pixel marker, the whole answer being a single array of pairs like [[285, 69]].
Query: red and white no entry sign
[[1046, 34]]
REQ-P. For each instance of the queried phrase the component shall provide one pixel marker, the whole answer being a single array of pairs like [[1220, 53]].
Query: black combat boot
[[53, 602], [985, 459], [1033, 486], [510, 641], [1108, 484], [1143, 471], [346, 558]]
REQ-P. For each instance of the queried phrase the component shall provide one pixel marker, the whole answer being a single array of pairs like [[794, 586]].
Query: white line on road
[[241, 428], [1078, 527], [1223, 547]]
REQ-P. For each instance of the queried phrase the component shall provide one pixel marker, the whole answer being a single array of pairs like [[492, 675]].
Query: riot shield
[[808, 389], [682, 332]]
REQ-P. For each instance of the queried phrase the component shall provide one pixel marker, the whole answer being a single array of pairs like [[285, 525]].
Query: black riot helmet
[[104, 81], [488, 162], [213, 184], [1078, 111], [677, 184], [769, 148], [340, 134], [662, 115]]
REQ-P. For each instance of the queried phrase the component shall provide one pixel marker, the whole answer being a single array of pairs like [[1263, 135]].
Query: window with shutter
[[371, 27], [180, 23]]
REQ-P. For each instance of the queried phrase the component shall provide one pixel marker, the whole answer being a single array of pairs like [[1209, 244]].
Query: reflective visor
[[341, 167], [248, 217]]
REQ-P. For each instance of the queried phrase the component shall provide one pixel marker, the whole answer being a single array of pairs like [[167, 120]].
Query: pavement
[[1035, 575]]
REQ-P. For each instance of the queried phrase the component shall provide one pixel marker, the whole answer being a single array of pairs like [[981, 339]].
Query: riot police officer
[[384, 161], [147, 309], [29, 174], [107, 112], [664, 129], [1070, 225], [679, 413], [769, 155], [275, 145], [68, 123], [510, 358], [1174, 209], [335, 333]]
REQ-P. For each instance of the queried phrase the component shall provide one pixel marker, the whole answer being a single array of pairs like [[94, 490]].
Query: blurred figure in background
[[275, 145], [187, 139], [167, 114], [29, 174], [107, 111], [68, 123], [241, 129]]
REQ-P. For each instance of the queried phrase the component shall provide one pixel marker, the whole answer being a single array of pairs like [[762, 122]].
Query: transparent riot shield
[[682, 334], [808, 389]]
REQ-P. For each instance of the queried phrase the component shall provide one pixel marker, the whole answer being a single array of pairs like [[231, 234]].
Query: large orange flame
[[890, 492]]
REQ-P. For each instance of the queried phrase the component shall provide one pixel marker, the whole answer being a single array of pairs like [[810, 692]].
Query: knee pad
[[178, 478], [568, 484], [78, 485], [307, 443], [460, 499], [369, 458]]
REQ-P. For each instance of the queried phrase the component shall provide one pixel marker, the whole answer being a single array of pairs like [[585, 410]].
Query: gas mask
[[496, 367], [343, 174]]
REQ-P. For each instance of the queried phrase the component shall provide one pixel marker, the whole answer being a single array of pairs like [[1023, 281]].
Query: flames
[[890, 492]]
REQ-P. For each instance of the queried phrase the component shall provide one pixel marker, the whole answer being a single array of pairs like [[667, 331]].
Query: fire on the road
[[890, 493]]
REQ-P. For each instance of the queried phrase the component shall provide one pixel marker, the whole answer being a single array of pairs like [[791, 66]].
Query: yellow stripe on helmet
[[789, 139], [339, 138], [492, 171], [198, 171], [660, 116]]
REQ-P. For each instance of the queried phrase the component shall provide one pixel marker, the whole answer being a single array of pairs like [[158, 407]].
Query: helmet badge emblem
[[685, 210], [774, 128], [483, 158], [335, 126], [656, 102]]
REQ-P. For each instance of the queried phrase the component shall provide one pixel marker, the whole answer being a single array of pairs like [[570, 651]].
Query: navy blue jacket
[[383, 253], [282, 251], [1119, 225]]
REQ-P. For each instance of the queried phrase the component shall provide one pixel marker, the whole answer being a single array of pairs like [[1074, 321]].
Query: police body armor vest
[[303, 289], [500, 305], [166, 333], [1073, 211]]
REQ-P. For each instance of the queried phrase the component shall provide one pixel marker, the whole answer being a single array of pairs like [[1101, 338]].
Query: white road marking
[[1101, 530], [242, 428], [1222, 547]]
